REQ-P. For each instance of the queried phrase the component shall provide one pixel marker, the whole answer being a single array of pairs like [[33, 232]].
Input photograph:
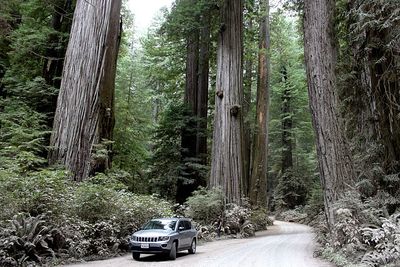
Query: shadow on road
[[161, 258]]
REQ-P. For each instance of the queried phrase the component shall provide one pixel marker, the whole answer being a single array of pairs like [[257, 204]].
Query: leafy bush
[[346, 230], [383, 242], [22, 137], [171, 168], [95, 217], [26, 239], [235, 218], [94, 202], [39, 192], [295, 215], [205, 206], [260, 219]]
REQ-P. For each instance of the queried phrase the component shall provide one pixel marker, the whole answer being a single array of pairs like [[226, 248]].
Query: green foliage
[[168, 167], [297, 215], [286, 54], [291, 191], [384, 240], [29, 42], [22, 137], [25, 240], [133, 109], [260, 219], [75, 220], [94, 202], [205, 206], [363, 234]]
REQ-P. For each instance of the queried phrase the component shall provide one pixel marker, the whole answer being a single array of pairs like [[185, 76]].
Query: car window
[[188, 225], [160, 224], [181, 224]]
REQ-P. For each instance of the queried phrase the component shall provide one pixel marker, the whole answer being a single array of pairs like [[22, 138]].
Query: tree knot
[[235, 110]]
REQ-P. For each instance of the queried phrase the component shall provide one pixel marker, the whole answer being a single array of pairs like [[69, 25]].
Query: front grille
[[147, 239]]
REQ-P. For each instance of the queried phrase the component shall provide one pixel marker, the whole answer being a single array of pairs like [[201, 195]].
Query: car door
[[182, 234], [185, 233]]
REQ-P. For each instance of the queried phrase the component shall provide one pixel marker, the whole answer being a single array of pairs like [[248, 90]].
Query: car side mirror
[[180, 228]]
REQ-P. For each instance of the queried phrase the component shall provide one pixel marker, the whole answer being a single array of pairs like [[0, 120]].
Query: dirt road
[[283, 245]]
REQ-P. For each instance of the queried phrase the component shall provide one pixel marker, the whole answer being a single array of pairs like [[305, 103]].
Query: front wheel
[[136, 256], [192, 249], [172, 252]]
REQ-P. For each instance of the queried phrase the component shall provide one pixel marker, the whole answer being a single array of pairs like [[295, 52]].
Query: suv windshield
[[160, 224]]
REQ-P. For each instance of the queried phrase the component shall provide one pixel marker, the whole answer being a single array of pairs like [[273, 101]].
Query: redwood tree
[[258, 180], [85, 107], [227, 149], [335, 165]]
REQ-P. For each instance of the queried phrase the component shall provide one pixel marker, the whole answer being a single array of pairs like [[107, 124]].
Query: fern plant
[[384, 242], [26, 240]]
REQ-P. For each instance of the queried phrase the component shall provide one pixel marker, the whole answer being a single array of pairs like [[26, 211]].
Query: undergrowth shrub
[[22, 137], [59, 218], [25, 240], [205, 206], [297, 215], [363, 234], [383, 241], [213, 217], [259, 217]]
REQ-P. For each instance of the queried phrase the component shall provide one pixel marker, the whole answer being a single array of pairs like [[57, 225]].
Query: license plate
[[144, 245]]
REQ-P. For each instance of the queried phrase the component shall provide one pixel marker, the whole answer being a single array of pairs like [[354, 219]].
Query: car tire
[[136, 256], [172, 252], [192, 249]]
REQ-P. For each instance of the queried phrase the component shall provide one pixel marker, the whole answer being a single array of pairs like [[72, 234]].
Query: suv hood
[[152, 233]]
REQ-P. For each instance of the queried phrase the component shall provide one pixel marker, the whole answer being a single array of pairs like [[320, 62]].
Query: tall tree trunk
[[227, 150], [248, 82], [189, 131], [335, 164], [258, 180], [191, 92], [85, 107], [202, 97]]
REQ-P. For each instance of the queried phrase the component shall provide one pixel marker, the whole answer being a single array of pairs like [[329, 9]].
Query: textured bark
[[85, 106], [202, 97], [189, 131], [248, 82], [227, 149], [258, 180], [189, 137], [335, 164]]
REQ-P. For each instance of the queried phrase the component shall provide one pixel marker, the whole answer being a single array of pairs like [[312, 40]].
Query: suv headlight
[[133, 238], [163, 238]]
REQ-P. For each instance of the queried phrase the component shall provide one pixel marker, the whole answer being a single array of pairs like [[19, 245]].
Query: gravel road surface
[[282, 245]]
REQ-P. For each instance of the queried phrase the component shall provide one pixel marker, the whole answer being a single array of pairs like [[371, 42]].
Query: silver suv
[[164, 236]]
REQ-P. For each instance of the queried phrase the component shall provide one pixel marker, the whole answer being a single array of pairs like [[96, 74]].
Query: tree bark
[[227, 150], [335, 164], [258, 180], [189, 137], [189, 131], [202, 97], [248, 82], [85, 107]]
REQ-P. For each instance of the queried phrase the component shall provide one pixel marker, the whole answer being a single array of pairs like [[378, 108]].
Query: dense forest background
[[232, 109]]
